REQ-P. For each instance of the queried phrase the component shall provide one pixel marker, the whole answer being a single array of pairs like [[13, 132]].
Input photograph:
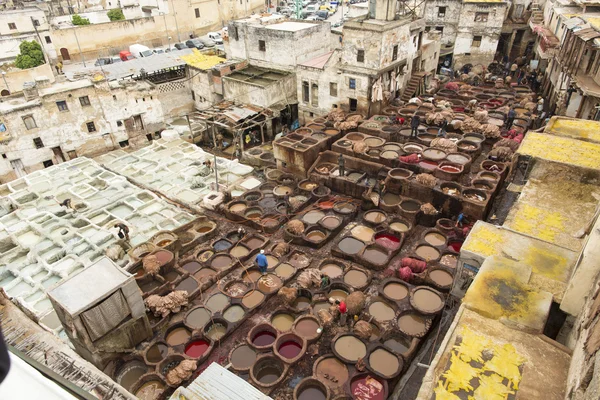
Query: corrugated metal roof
[[150, 64], [318, 62], [217, 383], [238, 113], [587, 34]]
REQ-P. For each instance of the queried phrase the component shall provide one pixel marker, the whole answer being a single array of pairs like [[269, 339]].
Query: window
[[149, 137], [476, 41], [333, 89], [137, 122], [395, 53], [305, 94], [352, 83], [48, 163], [193, 96], [4, 156], [35, 22], [441, 12], [440, 29], [62, 106], [29, 122], [197, 10], [157, 135], [119, 123], [235, 33], [114, 97], [124, 143], [38, 143], [72, 154], [48, 40], [315, 95], [261, 45], [360, 57], [353, 104], [12, 25], [481, 16], [90, 127], [84, 100]]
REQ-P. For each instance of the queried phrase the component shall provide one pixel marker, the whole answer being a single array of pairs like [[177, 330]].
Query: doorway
[[64, 53], [18, 167], [58, 155]]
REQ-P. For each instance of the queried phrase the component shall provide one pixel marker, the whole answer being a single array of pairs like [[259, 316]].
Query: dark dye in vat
[[189, 284], [132, 374], [197, 348], [171, 276], [157, 353], [410, 205], [221, 245], [311, 393], [149, 286], [192, 266], [396, 345], [268, 375], [263, 338], [289, 349]]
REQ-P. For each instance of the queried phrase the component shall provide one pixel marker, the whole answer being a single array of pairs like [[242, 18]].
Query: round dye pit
[[451, 168], [150, 390], [285, 271], [252, 275], [282, 322], [435, 239], [192, 266], [381, 311], [412, 324], [391, 199], [272, 261], [400, 227], [410, 206], [363, 233], [178, 336], [254, 242], [355, 278], [337, 294], [344, 208], [253, 213], [384, 363], [130, 373], [301, 303], [395, 291], [222, 245], [427, 252], [389, 155], [375, 256], [441, 278], [269, 283], [217, 302], [332, 372], [253, 299], [164, 256], [333, 271], [196, 348], [316, 236], [234, 313], [321, 305], [312, 217], [289, 349], [388, 241], [311, 392], [242, 357], [236, 288], [239, 251], [263, 338], [398, 344], [428, 164], [282, 190], [350, 245], [307, 328], [204, 275], [205, 255], [197, 318], [374, 217], [331, 223], [149, 286], [171, 276], [350, 348], [238, 208], [222, 261], [189, 285], [449, 260], [215, 331], [367, 387], [267, 370], [157, 352]]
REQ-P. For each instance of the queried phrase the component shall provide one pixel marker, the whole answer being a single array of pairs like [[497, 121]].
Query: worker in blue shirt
[[459, 220], [261, 261]]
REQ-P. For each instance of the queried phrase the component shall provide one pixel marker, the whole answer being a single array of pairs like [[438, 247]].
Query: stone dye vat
[[349, 348], [242, 357]]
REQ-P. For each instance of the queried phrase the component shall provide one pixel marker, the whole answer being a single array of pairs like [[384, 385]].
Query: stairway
[[413, 87]]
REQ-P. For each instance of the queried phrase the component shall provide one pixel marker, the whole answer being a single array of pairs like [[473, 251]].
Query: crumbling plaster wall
[[448, 21], [323, 78], [281, 91]]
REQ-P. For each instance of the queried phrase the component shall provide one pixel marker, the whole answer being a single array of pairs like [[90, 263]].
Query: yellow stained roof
[[594, 22], [201, 61], [574, 128], [562, 150]]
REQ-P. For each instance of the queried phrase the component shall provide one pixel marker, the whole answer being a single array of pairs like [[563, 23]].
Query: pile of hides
[[490, 131], [295, 226], [470, 125], [437, 118], [426, 180], [162, 306], [448, 145]]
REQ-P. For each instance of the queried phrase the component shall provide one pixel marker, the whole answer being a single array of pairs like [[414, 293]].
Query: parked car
[[115, 60], [216, 37], [329, 9], [126, 55], [102, 61], [322, 15], [194, 43], [181, 46], [158, 51], [311, 8], [140, 51], [206, 42], [313, 17]]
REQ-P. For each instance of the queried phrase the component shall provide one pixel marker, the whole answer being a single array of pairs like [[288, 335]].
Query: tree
[[31, 55], [79, 20], [116, 14]]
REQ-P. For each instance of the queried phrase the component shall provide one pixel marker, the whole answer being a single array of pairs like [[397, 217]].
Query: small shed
[[102, 311]]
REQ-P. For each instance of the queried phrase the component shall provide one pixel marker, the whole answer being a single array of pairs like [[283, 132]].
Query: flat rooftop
[[585, 130], [155, 62], [257, 76], [290, 26], [564, 150]]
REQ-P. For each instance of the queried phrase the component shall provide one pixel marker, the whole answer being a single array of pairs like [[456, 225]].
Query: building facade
[[26, 24]]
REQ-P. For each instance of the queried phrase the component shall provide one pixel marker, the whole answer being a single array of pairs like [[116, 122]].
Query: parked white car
[[215, 37]]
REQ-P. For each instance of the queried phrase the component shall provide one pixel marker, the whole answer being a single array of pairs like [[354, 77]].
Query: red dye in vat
[[163, 256], [289, 349], [388, 241], [263, 338], [458, 109], [196, 348], [427, 164], [449, 168], [455, 245], [326, 205], [367, 388]]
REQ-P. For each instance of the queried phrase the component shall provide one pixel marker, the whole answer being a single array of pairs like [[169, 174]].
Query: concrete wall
[[10, 39], [283, 48], [16, 77], [464, 51], [281, 91], [449, 22], [430, 52]]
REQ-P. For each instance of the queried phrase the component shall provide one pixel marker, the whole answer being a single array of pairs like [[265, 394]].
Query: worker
[[59, 68], [261, 261], [324, 281], [208, 164], [540, 106], [414, 126], [66, 203], [442, 130], [381, 188], [241, 232], [343, 311], [341, 165], [460, 219], [219, 141], [123, 231], [286, 199], [472, 106], [510, 118]]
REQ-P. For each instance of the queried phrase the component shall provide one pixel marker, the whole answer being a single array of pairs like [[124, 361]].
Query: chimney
[[30, 91], [384, 10]]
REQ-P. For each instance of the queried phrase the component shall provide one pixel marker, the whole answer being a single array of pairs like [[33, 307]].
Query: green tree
[[116, 14], [31, 55], [79, 20]]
